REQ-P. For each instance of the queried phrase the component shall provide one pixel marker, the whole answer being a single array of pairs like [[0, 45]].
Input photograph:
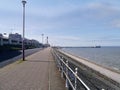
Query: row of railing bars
[[74, 87]]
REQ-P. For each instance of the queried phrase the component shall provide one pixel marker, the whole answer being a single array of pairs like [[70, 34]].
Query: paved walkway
[[38, 72]]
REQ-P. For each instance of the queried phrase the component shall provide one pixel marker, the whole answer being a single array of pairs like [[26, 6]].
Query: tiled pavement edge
[[38, 72]]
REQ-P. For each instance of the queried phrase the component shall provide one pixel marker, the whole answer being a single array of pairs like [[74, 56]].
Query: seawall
[[101, 76]]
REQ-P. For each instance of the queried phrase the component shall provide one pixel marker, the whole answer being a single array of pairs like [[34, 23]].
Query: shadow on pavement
[[8, 55], [38, 61]]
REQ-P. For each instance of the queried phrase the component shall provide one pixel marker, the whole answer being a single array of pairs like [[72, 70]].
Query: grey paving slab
[[38, 72]]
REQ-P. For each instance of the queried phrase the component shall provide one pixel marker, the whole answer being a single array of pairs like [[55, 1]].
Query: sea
[[106, 56]]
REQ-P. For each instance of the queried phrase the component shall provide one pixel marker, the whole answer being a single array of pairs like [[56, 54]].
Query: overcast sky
[[65, 22]]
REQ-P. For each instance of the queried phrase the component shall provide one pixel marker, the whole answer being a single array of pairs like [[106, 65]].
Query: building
[[1, 35], [15, 38], [35, 43], [3, 40]]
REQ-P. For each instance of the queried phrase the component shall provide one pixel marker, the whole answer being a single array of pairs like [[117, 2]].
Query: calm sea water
[[106, 56]]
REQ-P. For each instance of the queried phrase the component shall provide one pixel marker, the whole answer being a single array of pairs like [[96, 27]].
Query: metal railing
[[72, 78]]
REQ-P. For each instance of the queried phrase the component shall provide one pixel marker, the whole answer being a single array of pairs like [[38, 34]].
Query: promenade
[[38, 72]]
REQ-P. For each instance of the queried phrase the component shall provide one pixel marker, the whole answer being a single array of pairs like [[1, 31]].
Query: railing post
[[76, 70], [62, 67], [59, 63], [65, 69], [67, 74]]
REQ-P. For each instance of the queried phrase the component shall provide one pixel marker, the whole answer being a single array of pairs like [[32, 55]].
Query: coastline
[[109, 74], [83, 58]]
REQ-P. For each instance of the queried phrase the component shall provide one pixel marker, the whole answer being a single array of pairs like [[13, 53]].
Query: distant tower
[[47, 40], [42, 38]]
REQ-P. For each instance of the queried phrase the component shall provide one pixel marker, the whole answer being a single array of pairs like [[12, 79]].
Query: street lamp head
[[24, 2]]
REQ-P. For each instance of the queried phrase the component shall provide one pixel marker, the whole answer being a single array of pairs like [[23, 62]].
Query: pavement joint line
[[49, 75], [38, 61]]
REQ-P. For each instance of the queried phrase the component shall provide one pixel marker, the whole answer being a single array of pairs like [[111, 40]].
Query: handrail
[[66, 73]]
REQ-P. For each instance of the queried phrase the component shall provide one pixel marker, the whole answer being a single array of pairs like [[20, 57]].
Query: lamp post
[[42, 38], [23, 47]]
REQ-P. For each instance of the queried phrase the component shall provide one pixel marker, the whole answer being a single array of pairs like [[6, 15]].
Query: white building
[[15, 38], [3, 40]]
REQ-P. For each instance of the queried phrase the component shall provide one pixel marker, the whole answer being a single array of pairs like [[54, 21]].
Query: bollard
[[67, 75], [76, 70]]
